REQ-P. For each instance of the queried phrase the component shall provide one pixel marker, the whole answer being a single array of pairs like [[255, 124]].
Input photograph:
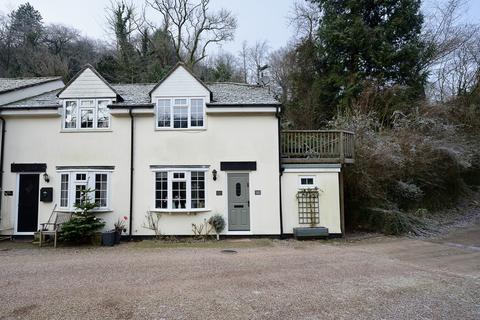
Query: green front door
[[238, 202]]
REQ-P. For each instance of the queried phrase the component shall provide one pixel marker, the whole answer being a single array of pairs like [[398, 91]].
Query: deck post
[[342, 151]]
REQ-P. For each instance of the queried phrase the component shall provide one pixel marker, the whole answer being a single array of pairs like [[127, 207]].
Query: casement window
[[180, 113], [84, 114], [180, 190], [73, 183], [307, 182]]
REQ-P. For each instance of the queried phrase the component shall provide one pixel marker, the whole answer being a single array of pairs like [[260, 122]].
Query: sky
[[257, 19]]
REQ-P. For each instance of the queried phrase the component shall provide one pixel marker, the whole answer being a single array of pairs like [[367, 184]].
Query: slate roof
[[12, 84], [229, 94]]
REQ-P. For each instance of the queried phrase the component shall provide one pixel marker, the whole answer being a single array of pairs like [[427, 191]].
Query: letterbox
[[46, 194]]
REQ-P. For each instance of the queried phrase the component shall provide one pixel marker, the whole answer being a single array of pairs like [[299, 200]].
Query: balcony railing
[[317, 146]]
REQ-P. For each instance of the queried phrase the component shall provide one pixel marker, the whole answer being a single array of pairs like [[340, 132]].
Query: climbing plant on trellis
[[308, 206]]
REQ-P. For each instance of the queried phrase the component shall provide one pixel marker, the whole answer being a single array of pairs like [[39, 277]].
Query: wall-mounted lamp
[[46, 177], [214, 173]]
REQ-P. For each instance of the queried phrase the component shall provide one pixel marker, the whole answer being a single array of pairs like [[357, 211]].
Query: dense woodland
[[403, 77]]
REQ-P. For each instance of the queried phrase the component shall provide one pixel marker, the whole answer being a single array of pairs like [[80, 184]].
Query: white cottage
[[180, 147]]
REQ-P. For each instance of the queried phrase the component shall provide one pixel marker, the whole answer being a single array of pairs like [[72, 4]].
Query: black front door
[[28, 203]]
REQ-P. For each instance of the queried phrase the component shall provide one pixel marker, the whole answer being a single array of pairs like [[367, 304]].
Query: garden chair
[[53, 227]]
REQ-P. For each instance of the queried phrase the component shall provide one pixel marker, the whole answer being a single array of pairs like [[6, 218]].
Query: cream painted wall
[[227, 138], [40, 140], [329, 200]]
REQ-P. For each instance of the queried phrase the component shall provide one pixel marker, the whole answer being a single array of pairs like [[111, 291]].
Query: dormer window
[[180, 113], [86, 114]]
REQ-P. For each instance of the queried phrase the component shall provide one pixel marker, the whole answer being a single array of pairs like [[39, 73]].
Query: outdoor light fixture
[[214, 173], [46, 177]]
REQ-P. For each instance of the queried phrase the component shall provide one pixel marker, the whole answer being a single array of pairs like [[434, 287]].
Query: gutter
[[2, 149], [277, 114], [132, 122]]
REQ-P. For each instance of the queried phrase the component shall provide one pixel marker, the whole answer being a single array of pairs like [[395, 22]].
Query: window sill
[[180, 211], [84, 130], [93, 211], [181, 129]]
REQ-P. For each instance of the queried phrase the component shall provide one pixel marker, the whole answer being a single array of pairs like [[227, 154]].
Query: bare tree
[[452, 54], [257, 56], [281, 64], [244, 58], [305, 18], [193, 27]]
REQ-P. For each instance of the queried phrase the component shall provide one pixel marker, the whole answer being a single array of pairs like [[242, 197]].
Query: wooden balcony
[[317, 146]]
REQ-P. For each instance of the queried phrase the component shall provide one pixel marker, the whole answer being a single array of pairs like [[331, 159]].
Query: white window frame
[[89, 183], [307, 186], [188, 179], [79, 107], [189, 108]]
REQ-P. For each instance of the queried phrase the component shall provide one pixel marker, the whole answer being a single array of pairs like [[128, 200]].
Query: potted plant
[[119, 227], [218, 223]]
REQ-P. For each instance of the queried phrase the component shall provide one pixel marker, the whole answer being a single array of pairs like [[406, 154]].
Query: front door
[[28, 203], [238, 202]]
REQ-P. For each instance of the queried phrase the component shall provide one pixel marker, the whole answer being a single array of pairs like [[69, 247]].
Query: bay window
[[179, 190], [74, 183], [180, 113], [86, 114]]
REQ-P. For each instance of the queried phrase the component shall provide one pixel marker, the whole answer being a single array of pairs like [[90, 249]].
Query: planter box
[[97, 239], [310, 232], [118, 236], [108, 238]]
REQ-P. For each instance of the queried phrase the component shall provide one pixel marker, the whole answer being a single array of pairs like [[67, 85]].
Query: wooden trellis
[[308, 206]]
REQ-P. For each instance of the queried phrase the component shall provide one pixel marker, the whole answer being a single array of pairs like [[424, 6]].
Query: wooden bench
[[53, 227]]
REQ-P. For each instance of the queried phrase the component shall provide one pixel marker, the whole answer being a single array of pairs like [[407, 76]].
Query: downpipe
[[279, 132]]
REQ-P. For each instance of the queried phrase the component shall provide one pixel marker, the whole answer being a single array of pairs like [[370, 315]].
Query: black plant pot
[[118, 236], [108, 238]]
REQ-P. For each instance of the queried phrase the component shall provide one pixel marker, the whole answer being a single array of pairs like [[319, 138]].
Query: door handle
[[238, 206]]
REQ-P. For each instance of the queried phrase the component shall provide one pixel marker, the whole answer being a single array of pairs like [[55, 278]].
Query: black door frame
[[17, 201]]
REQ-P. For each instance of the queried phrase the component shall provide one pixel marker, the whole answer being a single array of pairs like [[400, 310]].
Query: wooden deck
[[317, 146]]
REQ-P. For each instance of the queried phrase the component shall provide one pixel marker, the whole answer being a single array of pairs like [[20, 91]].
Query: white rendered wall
[[329, 200]]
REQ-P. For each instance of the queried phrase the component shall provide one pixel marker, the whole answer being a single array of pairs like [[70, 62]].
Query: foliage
[[121, 224], [218, 222], [423, 159], [83, 224], [202, 231], [153, 223]]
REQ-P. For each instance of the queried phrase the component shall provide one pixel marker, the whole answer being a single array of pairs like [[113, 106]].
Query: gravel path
[[376, 278]]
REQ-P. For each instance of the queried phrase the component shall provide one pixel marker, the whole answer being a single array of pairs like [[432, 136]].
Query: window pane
[[179, 175], [179, 194], [101, 190], [197, 190], [163, 113], [81, 177], [70, 114], [103, 114], [64, 191], [180, 117], [238, 189], [86, 118], [161, 190], [180, 102], [196, 113], [78, 193]]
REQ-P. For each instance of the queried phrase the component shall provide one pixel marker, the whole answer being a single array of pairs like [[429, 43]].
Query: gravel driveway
[[380, 278]]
